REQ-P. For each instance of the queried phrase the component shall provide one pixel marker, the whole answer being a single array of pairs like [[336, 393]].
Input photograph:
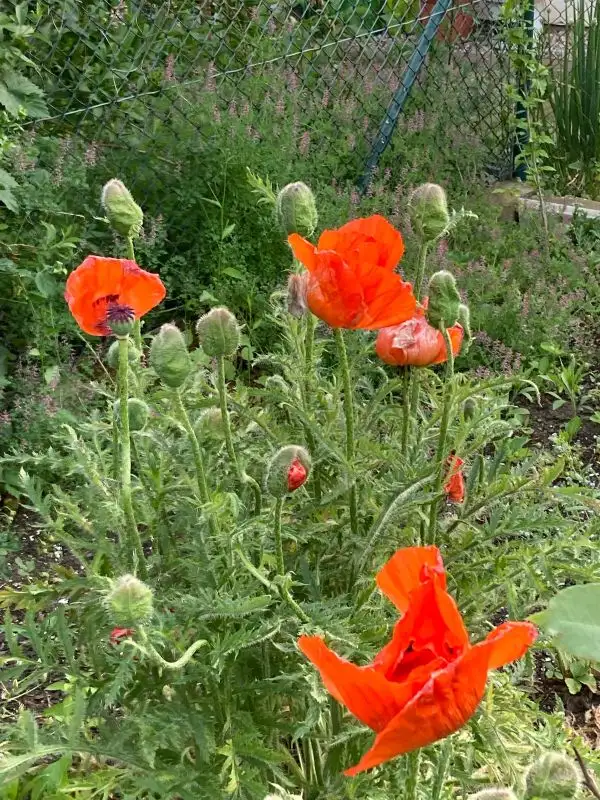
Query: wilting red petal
[[120, 633], [416, 343], [454, 486], [406, 570], [365, 693], [352, 280], [100, 282]]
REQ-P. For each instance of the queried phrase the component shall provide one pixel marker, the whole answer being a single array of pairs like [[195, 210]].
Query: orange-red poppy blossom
[[99, 284], [428, 680], [352, 282], [416, 343], [454, 487]]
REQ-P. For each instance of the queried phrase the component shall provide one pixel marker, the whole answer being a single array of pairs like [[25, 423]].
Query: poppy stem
[[420, 274], [406, 386], [441, 448], [309, 341], [443, 760], [200, 473], [349, 415], [135, 543], [277, 536], [242, 475], [415, 376], [412, 774], [137, 325]]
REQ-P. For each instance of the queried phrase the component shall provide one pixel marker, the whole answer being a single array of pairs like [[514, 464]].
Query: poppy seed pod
[[552, 777], [218, 332], [428, 210], [444, 300], [500, 793], [287, 470], [138, 413], [296, 294], [124, 214], [120, 320], [112, 356], [296, 209], [169, 356], [129, 602]]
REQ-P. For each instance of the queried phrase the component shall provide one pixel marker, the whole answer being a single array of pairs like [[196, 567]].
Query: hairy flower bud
[[552, 777], [464, 319], [124, 214], [493, 794], [169, 356], [210, 423], [287, 470], [296, 209], [129, 602], [469, 408], [296, 294], [112, 356], [428, 210], [444, 300], [138, 413], [218, 332]]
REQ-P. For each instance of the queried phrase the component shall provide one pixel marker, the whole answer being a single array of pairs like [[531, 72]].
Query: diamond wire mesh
[[141, 86]]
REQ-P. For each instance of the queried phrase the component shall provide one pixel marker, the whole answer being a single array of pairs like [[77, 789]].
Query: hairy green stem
[[242, 475], [439, 778], [277, 536], [137, 326], [412, 775], [420, 274], [133, 535], [309, 341], [415, 376], [200, 471], [440, 462], [148, 649], [405, 408], [115, 448], [349, 416]]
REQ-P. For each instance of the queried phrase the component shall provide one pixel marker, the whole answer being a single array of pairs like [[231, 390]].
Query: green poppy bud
[[124, 214], [129, 602], [138, 413], [552, 777], [444, 300], [287, 470], [218, 332], [296, 209], [428, 210], [469, 408], [169, 356], [210, 423], [112, 356]]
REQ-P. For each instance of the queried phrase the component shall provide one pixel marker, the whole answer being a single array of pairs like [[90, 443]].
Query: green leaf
[[45, 283], [9, 200], [7, 180], [573, 620]]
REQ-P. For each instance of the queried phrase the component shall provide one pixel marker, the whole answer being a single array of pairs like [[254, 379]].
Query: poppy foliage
[[99, 284], [428, 680], [352, 280]]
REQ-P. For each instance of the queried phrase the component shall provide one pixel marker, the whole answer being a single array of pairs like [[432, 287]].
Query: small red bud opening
[[296, 475], [120, 633]]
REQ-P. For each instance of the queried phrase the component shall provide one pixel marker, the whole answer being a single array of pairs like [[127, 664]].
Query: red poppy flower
[[352, 282], [416, 343], [428, 680], [99, 284], [120, 633], [455, 482]]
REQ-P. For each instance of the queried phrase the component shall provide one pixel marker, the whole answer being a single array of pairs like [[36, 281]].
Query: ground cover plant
[[224, 530]]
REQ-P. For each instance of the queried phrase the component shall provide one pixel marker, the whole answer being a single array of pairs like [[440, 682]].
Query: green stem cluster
[[133, 535], [242, 475], [440, 460], [137, 327], [349, 417]]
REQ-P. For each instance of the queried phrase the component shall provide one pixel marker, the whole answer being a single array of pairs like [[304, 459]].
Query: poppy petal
[[303, 250], [456, 334], [375, 229], [140, 290], [443, 705], [508, 642], [365, 693], [388, 300], [404, 572], [431, 630], [334, 295]]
